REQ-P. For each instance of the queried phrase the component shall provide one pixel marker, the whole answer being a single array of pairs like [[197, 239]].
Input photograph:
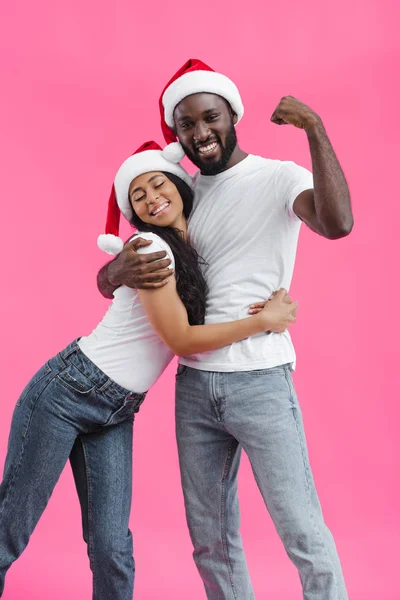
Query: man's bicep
[[304, 208]]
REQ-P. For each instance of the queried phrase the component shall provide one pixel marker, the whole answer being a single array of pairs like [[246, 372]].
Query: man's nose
[[201, 132]]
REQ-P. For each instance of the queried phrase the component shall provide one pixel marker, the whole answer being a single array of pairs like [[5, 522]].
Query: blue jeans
[[71, 409], [217, 414]]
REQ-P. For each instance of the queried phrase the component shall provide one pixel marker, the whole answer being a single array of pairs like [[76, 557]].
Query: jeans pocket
[[279, 370], [41, 374], [180, 372], [73, 380]]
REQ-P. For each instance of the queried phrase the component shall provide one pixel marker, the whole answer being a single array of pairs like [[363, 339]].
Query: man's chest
[[235, 218]]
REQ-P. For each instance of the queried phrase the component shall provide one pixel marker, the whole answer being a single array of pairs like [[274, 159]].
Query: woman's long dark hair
[[190, 283]]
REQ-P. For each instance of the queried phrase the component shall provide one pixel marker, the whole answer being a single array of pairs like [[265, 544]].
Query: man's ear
[[234, 118]]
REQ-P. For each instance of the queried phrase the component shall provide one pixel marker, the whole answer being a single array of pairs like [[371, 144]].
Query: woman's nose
[[152, 197]]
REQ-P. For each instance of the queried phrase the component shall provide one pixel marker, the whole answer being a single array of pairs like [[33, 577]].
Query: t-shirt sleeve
[[290, 181], [157, 245]]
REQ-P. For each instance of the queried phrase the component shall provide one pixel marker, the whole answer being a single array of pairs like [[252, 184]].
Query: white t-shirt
[[124, 345], [244, 227]]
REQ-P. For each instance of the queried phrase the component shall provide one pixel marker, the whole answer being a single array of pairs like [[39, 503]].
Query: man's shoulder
[[262, 162], [261, 167], [281, 169]]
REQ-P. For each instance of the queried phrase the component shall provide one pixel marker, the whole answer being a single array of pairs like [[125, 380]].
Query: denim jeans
[[71, 409], [217, 414]]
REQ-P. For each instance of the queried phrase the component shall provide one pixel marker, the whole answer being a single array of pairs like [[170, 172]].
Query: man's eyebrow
[[204, 113], [149, 181]]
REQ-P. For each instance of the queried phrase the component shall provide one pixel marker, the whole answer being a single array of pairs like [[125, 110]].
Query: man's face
[[205, 128]]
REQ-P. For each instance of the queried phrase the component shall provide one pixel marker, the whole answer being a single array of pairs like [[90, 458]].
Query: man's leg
[[265, 417], [209, 460], [102, 468]]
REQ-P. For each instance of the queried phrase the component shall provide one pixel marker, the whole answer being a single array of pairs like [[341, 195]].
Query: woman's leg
[[102, 468], [67, 397], [40, 442]]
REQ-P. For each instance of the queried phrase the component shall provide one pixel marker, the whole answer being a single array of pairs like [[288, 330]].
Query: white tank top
[[124, 345]]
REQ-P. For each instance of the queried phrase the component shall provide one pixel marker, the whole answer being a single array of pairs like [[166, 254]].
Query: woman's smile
[[160, 209]]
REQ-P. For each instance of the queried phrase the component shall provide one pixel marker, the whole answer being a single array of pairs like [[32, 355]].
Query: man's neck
[[237, 156]]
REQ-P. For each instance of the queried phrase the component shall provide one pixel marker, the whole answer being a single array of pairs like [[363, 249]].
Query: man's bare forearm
[[326, 209], [331, 192], [105, 287]]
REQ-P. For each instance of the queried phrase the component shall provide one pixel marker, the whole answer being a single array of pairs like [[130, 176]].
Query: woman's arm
[[168, 316]]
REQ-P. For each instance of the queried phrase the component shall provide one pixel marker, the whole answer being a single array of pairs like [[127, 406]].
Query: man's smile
[[208, 149]]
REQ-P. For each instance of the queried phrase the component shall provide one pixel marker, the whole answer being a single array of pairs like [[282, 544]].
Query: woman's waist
[[134, 364]]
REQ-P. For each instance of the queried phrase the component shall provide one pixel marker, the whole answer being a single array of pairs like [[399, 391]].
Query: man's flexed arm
[[326, 209], [139, 271]]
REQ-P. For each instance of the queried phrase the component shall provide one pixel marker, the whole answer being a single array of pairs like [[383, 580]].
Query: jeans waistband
[[73, 353]]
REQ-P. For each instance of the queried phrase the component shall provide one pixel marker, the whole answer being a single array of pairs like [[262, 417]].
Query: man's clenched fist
[[291, 111]]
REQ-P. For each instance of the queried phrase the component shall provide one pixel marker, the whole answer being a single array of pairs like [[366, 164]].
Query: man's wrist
[[314, 127]]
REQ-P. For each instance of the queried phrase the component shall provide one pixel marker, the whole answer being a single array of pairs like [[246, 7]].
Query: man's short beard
[[215, 167]]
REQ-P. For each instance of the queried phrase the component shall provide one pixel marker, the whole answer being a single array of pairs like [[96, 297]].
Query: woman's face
[[156, 200]]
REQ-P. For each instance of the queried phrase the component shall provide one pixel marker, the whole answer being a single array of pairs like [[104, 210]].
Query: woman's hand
[[258, 306], [279, 311]]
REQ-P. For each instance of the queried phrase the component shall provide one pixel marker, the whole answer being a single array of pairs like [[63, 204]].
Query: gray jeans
[[72, 410], [217, 414]]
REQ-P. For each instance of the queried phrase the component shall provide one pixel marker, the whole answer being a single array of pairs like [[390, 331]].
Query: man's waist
[[258, 352]]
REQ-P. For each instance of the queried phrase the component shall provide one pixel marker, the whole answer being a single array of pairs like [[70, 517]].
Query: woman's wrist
[[263, 322]]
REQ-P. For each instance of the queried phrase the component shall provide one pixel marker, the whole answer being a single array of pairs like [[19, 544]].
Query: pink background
[[80, 84]]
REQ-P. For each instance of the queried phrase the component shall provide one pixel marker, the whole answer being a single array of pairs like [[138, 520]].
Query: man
[[245, 226]]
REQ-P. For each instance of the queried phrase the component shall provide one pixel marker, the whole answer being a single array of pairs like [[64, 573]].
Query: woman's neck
[[181, 224]]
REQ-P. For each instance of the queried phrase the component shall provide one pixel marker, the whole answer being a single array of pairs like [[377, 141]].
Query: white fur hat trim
[[173, 152], [196, 82], [143, 162], [110, 243]]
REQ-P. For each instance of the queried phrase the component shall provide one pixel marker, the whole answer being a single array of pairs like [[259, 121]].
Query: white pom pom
[[173, 152], [110, 243]]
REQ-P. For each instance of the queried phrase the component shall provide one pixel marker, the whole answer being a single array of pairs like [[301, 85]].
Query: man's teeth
[[207, 149], [160, 208]]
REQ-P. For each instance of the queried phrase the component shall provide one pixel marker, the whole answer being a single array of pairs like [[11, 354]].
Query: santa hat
[[193, 78], [149, 157]]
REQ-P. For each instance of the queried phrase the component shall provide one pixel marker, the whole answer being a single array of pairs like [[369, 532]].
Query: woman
[[81, 403]]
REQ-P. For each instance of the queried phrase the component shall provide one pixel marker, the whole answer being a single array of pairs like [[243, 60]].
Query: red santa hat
[[193, 78], [149, 157]]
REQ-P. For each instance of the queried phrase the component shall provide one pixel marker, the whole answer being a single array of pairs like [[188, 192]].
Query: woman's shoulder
[[157, 243], [147, 235], [150, 236]]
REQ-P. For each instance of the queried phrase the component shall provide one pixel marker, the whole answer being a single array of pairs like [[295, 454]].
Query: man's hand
[[291, 111], [139, 271]]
